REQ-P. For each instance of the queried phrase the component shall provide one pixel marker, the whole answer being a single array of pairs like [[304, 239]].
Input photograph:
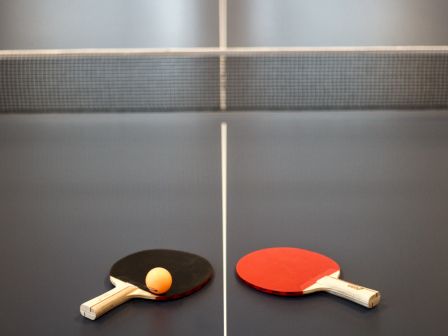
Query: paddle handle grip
[[100, 305], [364, 296]]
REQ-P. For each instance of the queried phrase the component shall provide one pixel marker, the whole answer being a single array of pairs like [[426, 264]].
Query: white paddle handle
[[364, 296], [96, 307]]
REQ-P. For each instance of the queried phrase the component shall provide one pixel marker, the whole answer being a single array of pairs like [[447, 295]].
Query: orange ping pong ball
[[158, 280]]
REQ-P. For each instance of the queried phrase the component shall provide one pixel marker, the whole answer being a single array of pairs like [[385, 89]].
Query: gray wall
[[338, 22], [31, 24]]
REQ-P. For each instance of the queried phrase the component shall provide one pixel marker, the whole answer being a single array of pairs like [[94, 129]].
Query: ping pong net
[[146, 80]]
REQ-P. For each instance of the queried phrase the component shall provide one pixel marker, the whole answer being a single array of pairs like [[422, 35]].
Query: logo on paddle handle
[[355, 286]]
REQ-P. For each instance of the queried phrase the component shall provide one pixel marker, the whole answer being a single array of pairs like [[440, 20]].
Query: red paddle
[[292, 271]]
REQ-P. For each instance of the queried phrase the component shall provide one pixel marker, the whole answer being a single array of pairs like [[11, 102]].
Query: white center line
[[224, 219]]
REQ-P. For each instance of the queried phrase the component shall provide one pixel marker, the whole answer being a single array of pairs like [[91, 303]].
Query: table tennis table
[[79, 190], [341, 150]]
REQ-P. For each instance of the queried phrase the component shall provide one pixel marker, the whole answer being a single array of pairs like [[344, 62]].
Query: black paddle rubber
[[190, 272]]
